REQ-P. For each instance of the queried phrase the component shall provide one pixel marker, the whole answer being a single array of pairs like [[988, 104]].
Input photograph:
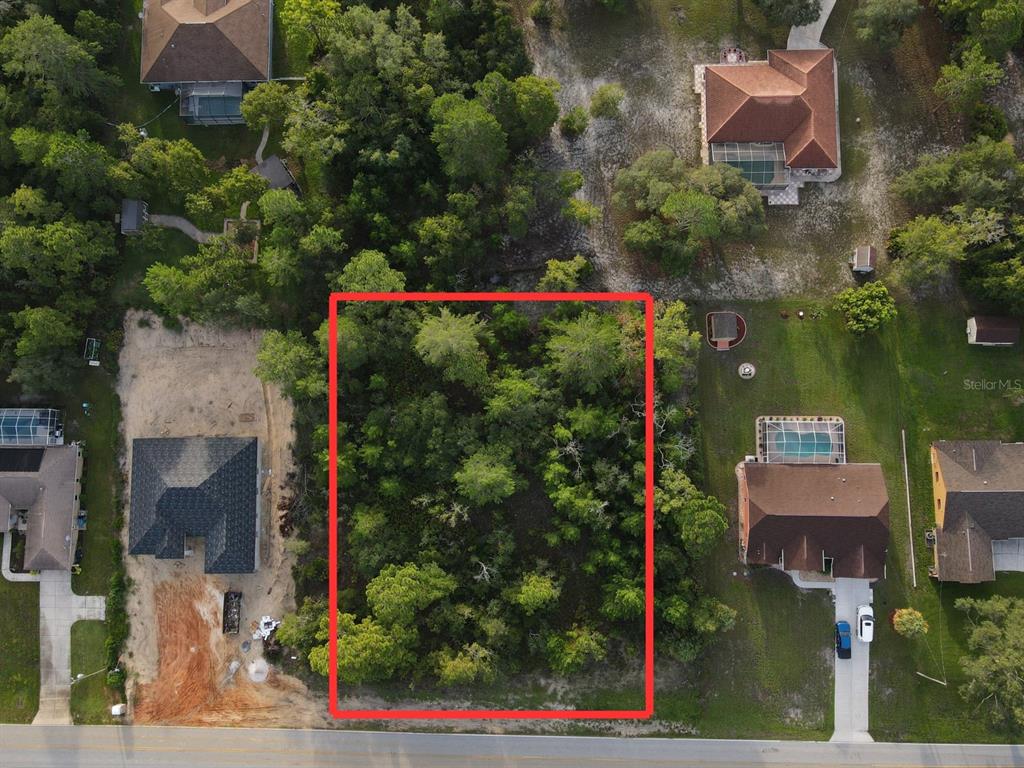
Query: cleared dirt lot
[[199, 382]]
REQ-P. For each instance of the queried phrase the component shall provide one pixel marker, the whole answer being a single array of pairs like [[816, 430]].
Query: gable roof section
[[790, 98], [195, 486], [805, 511], [984, 481], [996, 330], [47, 491], [182, 44]]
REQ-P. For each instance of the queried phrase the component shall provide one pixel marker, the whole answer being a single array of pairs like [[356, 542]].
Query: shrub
[[908, 622], [574, 122], [988, 120], [606, 101], [866, 308], [540, 12]]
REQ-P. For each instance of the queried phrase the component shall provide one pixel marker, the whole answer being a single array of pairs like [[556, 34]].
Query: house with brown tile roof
[[820, 518], [776, 120], [209, 51], [978, 494]]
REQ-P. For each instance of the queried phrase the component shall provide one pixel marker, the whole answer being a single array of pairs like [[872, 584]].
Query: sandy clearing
[[199, 381]]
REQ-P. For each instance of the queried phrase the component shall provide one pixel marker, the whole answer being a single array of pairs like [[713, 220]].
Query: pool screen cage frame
[[31, 427], [763, 163], [770, 429]]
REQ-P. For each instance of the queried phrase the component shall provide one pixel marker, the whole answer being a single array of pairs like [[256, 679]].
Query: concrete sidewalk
[[59, 608], [5, 564], [181, 224], [851, 679]]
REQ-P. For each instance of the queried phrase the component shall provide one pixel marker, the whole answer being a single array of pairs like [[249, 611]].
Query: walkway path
[[59, 608], [262, 144], [809, 35], [5, 564], [182, 225]]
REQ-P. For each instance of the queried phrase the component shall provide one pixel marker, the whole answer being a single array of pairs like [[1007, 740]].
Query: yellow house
[[978, 499]]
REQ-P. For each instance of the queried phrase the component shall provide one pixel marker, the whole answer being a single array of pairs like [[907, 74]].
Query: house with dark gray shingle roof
[[201, 487], [978, 489]]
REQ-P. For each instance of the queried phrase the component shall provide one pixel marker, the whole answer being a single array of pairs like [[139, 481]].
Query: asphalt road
[[158, 747]]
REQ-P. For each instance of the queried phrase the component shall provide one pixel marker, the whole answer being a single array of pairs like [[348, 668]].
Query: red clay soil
[[193, 686]]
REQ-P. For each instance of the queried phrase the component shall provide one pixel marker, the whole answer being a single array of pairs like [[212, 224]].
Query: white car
[[865, 623]]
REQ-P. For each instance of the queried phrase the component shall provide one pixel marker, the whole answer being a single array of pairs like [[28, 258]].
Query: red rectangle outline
[[490, 714]]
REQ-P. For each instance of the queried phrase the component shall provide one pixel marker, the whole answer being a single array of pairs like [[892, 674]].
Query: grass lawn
[[223, 146], [19, 644], [912, 377], [90, 698], [99, 432], [167, 246]]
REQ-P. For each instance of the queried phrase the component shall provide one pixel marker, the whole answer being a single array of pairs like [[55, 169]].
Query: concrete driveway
[[851, 678], [59, 608]]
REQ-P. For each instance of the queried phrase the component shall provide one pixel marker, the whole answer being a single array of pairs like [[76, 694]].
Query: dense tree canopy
[[678, 211], [971, 226]]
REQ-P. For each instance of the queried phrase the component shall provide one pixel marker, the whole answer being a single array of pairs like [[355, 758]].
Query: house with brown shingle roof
[[978, 494], [777, 121], [39, 496], [819, 518], [209, 51]]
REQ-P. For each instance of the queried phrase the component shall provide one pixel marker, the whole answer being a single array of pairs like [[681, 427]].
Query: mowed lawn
[[910, 376], [19, 647], [90, 697]]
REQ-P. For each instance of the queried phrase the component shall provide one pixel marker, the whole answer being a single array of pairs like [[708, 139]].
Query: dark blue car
[[843, 639]]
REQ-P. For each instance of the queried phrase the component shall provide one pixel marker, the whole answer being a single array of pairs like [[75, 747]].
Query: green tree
[[525, 107], [996, 643], [587, 351], [84, 172], [791, 13], [40, 53], [882, 21], [452, 342], [367, 651], [927, 247], [309, 22], [218, 282], [399, 592], [516, 407], [268, 104], [574, 122], [487, 476], [607, 100], [962, 85], [300, 629], [369, 271], [700, 519], [291, 362], [177, 167], [909, 623], [281, 207], [866, 308], [624, 599], [103, 34], [572, 650], [224, 197], [469, 140], [472, 664], [45, 349], [563, 275], [535, 591], [675, 345]]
